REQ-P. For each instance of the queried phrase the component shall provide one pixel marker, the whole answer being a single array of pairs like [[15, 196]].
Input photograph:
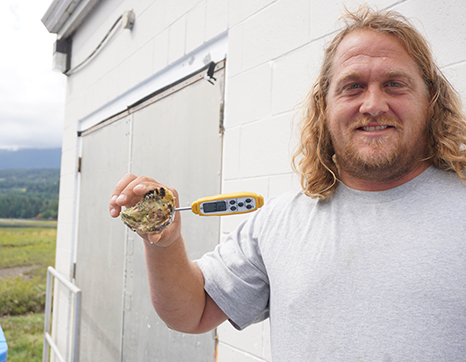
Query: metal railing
[[76, 321]]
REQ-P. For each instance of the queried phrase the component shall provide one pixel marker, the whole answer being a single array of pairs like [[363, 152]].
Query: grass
[[18, 296], [25, 243], [25, 337], [22, 223], [30, 244]]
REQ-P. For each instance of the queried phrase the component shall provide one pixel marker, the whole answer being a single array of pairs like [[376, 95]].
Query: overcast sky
[[32, 95]]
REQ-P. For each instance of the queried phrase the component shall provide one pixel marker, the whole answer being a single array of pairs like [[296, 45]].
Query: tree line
[[29, 193]]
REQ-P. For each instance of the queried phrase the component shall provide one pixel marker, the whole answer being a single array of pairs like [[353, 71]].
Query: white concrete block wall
[[274, 53]]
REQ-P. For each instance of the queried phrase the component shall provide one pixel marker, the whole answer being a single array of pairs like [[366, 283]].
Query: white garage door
[[172, 136]]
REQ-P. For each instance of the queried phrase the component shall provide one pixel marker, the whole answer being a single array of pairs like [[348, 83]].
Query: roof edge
[[64, 16], [58, 13]]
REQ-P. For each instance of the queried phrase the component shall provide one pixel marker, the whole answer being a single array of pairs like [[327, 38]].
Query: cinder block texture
[[274, 31], [249, 342], [248, 96], [195, 27], [442, 23]]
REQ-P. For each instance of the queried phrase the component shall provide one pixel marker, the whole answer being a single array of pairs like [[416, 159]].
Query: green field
[[22, 299], [27, 243], [25, 337]]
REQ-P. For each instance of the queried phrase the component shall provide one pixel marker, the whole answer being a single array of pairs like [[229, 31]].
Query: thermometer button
[[232, 202], [233, 208], [240, 204], [248, 207], [248, 200]]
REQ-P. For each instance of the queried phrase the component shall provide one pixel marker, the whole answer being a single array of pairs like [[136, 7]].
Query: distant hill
[[29, 193], [30, 158]]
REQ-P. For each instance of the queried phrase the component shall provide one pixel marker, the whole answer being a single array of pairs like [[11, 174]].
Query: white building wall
[[274, 52]]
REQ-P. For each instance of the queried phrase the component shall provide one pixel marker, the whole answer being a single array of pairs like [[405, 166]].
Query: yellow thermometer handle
[[227, 204]]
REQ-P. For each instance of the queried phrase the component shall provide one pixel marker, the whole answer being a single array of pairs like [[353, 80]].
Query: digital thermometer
[[226, 204]]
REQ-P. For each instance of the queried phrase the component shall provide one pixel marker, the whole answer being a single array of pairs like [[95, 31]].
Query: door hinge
[[79, 164], [74, 270]]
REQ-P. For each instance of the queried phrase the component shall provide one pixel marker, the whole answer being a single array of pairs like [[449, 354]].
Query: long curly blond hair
[[313, 158]]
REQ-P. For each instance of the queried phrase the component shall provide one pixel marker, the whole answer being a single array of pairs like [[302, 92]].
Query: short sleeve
[[235, 276]]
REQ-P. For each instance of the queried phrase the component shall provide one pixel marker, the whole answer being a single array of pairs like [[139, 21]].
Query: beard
[[382, 160]]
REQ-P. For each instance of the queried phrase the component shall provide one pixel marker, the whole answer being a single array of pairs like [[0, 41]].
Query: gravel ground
[[17, 271]]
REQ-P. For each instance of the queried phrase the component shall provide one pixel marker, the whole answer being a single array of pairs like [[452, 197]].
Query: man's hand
[[176, 283], [129, 190]]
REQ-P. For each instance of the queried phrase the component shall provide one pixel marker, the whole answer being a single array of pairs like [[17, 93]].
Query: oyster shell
[[152, 214]]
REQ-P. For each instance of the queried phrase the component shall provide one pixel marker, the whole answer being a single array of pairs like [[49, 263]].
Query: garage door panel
[[101, 243], [172, 136]]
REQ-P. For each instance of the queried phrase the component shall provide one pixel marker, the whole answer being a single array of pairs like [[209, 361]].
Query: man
[[368, 263]]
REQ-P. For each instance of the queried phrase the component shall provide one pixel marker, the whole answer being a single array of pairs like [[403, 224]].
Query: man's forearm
[[177, 289], [176, 283]]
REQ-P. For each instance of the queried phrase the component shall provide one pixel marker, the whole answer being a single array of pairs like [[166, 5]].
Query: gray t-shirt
[[361, 276]]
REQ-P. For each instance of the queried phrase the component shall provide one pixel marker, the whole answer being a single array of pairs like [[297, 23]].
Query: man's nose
[[373, 102]]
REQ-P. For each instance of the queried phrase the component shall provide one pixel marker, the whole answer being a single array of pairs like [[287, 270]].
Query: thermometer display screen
[[215, 206]]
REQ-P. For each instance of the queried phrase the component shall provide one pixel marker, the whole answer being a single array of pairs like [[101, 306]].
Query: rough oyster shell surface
[[152, 214]]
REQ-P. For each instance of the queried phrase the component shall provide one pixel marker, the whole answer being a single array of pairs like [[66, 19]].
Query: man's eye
[[394, 84], [351, 87]]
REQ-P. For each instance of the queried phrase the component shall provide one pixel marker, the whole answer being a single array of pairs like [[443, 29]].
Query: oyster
[[152, 214]]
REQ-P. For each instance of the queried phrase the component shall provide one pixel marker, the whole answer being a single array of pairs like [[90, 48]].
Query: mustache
[[382, 120]]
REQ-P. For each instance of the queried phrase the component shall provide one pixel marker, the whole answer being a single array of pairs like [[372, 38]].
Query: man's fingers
[[120, 196], [128, 192], [123, 184], [114, 209], [154, 238]]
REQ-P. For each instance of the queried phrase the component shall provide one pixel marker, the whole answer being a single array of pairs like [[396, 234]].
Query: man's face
[[376, 109]]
